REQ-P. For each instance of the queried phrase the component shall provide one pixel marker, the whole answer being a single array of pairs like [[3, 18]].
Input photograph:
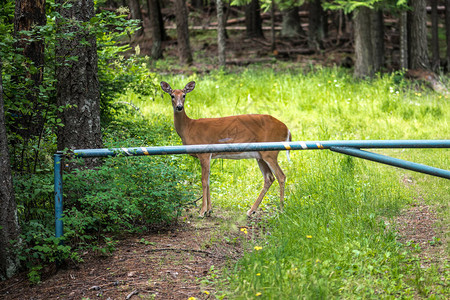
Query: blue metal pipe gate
[[352, 148]]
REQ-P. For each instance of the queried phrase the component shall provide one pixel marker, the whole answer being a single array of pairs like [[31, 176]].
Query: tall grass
[[335, 238]]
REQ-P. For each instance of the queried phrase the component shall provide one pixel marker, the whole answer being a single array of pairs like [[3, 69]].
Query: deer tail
[[289, 139]]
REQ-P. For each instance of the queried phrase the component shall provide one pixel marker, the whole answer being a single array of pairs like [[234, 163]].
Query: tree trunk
[[184, 47], [418, 36], [316, 30], [77, 80], [221, 33], [253, 20], [377, 35], [404, 40], [447, 31], [157, 27], [9, 225], [273, 40], [436, 60], [30, 121], [136, 14], [363, 43], [197, 4], [290, 25]]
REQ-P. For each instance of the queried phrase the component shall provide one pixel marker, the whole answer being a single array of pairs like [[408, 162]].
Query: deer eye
[[172, 96], [184, 96]]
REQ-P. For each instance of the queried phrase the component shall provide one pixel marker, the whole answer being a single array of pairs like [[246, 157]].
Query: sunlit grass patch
[[332, 240]]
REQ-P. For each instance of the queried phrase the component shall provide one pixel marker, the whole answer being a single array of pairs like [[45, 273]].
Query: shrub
[[126, 194]]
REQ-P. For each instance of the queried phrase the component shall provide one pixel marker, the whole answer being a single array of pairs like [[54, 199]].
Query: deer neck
[[182, 123]]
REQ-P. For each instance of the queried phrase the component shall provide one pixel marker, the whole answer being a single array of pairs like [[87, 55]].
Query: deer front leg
[[205, 163]]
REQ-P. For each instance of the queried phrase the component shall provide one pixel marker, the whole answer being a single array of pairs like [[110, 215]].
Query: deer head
[[178, 96]]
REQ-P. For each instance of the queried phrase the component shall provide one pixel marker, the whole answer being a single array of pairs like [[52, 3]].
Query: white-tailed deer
[[233, 129]]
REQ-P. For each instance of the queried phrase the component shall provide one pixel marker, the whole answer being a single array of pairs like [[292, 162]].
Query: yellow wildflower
[[258, 274], [244, 230], [206, 292], [309, 236], [257, 248], [258, 294], [192, 298]]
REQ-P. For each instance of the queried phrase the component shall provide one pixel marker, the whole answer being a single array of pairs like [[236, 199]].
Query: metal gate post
[[58, 194]]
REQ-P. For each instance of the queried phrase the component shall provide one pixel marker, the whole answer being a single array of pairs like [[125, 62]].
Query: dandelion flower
[[192, 298], [206, 292], [258, 294], [309, 236], [258, 274], [244, 230], [257, 248]]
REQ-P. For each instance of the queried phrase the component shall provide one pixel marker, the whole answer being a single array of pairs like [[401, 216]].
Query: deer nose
[[179, 107]]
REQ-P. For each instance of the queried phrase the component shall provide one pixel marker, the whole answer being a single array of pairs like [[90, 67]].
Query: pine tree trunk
[[9, 225], [156, 23], [377, 35], [197, 4], [30, 123], [290, 24], [273, 42], [316, 30], [404, 40], [253, 21], [418, 44], [363, 43], [221, 33], [436, 60], [447, 31], [136, 14], [184, 47], [77, 80]]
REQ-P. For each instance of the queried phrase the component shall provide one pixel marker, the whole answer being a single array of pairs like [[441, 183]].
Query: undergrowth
[[124, 195]]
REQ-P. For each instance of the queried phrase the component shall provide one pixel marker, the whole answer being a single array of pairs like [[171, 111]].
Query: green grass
[[332, 241]]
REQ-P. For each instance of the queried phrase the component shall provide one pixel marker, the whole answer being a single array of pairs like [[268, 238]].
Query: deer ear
[[166, 87], [189, 87]]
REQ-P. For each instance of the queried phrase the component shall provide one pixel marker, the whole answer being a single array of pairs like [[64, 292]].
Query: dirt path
[[176, 264], [183, 262]]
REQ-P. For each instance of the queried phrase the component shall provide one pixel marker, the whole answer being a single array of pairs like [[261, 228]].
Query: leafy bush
[[126, 194]]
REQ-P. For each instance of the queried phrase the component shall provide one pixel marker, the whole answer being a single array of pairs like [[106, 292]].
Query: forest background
[[65, 64]]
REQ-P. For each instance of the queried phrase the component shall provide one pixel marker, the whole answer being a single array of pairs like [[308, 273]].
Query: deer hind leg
[[205, 162], [268, 180], [271, 158]]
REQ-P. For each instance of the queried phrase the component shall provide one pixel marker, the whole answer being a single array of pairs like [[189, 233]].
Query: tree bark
[[9, 225], [136, 14], [363, 43], [184, 47], [253, 20], [273, 41], [447, 31], [435, 60], [404, 60], [290, 24], [30, 121], [221, 33], [157, 27], [198, 4], [316, 30], [418, 44], [377, 35], [77, 80]]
